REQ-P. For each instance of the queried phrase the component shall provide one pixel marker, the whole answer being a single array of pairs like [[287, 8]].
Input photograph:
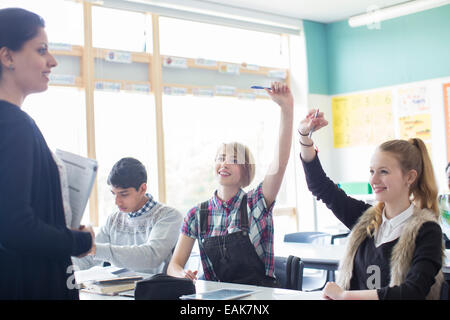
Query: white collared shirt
[[391, 229]]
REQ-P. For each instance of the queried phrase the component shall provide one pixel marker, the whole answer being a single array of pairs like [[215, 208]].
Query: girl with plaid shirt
[[234, 228]]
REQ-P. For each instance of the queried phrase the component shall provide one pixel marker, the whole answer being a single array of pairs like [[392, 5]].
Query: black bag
[[163, 287]]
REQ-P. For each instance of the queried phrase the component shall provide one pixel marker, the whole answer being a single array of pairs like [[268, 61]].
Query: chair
[[289, 272], [446, 241], [338, 236], [444, 291], [304, 237], [314, 282]]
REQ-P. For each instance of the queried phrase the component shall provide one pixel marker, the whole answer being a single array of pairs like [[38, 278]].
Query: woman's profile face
[[32, 64]]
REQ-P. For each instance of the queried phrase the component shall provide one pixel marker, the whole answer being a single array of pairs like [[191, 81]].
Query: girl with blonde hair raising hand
[[395, 248]]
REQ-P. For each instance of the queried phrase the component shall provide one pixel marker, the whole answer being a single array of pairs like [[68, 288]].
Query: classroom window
[[195, 126], [121, 30], [200, 40], [194, 129], [327, 221], [124, 127], [63, 19], [60, 114], [124, 121]]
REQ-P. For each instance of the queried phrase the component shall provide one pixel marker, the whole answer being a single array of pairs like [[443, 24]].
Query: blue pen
[[259, 87], [312, 129]]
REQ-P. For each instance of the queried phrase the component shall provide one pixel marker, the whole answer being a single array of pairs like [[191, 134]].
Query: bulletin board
[[362, 119], [447, 117], [368, 119]]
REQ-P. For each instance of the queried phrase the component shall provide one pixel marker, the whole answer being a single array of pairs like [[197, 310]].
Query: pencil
[[312, 129], [259, 87]]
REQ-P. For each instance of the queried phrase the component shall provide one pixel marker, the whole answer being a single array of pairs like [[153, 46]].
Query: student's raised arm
[[281, 94], [344, 207]]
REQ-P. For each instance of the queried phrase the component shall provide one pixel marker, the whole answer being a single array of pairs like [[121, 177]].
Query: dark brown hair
[[17, 26]]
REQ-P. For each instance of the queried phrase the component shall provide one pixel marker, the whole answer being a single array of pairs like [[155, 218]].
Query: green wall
[[411, 48], [316, 55]]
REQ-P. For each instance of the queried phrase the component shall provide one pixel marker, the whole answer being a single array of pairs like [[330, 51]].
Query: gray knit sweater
[[142, 244]]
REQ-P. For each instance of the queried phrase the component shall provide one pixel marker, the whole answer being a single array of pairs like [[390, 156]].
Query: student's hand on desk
[[333, 291], [311, 123], [282, 95], [190, 274]]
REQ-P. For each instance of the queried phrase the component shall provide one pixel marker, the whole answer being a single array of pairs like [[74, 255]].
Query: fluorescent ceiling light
[[376, 16], [224, 11]]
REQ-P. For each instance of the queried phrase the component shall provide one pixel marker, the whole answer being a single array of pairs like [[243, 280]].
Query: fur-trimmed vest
[[402, 252]]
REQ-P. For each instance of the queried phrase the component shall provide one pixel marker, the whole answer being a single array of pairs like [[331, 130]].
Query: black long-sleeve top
[[35, 244], [427, 259]]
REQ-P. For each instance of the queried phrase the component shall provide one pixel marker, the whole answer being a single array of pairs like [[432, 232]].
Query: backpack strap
[[203, 215], [244, 214]]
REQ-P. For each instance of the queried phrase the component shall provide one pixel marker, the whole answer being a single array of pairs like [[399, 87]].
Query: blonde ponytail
[[424, 189]]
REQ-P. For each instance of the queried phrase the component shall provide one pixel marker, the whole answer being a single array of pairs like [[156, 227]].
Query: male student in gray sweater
[[140, 236]]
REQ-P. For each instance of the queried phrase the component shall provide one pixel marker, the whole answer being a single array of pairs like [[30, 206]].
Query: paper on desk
[[280, 294], [95, 274], [81, 173]]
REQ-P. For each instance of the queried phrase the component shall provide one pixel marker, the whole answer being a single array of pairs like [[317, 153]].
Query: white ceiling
[[324, 11]]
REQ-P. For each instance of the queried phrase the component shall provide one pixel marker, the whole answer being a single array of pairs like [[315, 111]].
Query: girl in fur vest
[[395, 249]]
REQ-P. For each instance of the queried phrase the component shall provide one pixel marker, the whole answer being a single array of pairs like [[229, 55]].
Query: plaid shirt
[[146, 207], [224, 217]]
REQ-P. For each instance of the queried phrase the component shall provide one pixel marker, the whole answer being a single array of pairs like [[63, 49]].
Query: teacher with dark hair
[[35, 244]]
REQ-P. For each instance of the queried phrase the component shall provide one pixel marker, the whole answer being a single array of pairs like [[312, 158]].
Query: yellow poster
[[415, 126], [362, 119]]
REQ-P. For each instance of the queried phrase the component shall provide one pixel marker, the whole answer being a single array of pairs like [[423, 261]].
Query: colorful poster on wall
[[412, 100], [362, 119], [414, 114], [416, 126], [447, 116]]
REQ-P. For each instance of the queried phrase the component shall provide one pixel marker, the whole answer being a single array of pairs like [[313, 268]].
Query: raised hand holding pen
[[312, 129], [312, 122], [281, 94], [309, 124]]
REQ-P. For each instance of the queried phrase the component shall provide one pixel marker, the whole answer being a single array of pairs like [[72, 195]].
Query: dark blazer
[[35, 244]]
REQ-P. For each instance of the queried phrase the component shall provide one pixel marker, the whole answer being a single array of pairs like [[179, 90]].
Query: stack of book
[[111, 286], [107, 281]]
